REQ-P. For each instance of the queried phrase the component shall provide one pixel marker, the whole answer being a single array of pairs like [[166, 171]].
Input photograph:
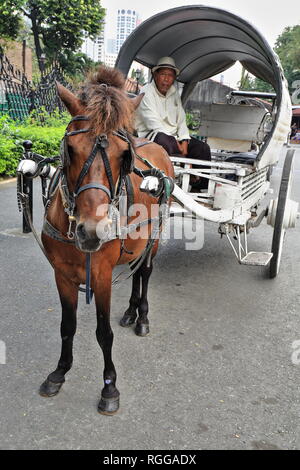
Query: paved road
[[216, 371]]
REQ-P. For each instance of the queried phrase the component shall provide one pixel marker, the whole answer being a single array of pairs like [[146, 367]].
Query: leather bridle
[[100, 145]]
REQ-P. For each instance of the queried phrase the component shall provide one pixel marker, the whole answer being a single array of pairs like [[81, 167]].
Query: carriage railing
[[232, 190]]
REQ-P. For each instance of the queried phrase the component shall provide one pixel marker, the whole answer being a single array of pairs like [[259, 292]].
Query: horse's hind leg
[[130, 315], [68, 293], [138, 301], [142, 324]]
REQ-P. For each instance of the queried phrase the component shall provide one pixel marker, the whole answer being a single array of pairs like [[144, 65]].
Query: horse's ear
[[136, 101], [71, 102]]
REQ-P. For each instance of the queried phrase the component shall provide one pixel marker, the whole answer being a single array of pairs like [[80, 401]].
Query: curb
[[11, 180]]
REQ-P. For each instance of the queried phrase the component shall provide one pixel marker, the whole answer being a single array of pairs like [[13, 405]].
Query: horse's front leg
[[68, 293], [109, 402]]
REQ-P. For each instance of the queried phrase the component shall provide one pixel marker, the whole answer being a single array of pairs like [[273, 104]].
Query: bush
[[9, 156], [45, 138]]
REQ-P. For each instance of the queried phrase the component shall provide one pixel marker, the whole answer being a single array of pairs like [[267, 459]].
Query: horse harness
[[123, 187], [114, 193]]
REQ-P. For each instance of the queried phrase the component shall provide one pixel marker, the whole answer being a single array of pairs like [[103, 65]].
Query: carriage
[[205, 41], [101, 161]]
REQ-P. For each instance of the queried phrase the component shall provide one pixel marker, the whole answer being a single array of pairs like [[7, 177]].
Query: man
[[160, 116]]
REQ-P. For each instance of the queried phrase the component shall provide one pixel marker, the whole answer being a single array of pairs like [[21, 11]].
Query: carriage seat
[[244, 158], [232, 128]]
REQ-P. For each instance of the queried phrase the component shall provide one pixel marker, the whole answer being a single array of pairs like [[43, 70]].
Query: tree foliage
[[287, 47], [249, 83], [10, 20], [58, 27]]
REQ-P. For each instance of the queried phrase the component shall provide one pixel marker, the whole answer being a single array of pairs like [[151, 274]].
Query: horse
[[99, 154]]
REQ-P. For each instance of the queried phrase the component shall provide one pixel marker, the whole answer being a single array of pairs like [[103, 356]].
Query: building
[[110, 60], [111, 46], [94, 49], [126, 23]]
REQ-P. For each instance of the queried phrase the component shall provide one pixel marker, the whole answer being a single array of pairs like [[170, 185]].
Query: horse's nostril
[[81, 232]]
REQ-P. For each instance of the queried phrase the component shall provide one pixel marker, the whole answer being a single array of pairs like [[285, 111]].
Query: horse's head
[[96, 153]]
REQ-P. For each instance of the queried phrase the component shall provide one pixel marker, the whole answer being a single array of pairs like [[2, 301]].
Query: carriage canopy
[[204, 41]]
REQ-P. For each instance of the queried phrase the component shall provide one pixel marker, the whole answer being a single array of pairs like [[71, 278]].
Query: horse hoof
[[108, 406], [127, 320], [50, 389], [142, 329]]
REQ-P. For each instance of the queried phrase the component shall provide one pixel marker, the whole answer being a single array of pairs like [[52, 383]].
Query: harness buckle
[[103, 141], [70, 234]]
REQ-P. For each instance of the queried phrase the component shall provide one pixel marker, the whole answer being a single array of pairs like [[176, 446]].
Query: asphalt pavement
[[219, 370]]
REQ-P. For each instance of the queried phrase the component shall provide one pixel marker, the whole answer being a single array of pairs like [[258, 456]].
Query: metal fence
[[19, 96]]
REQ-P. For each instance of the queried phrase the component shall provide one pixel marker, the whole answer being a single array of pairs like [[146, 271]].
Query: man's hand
[[183, 147]]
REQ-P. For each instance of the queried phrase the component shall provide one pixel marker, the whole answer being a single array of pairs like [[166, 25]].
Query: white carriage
[[205, 41]]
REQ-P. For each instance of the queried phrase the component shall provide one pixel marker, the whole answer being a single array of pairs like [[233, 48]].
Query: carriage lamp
[[138, 74]]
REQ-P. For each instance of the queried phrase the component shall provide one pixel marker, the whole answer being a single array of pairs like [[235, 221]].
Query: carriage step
[[254, 258]]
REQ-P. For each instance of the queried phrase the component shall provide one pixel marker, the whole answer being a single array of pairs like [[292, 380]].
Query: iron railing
[[19, 96]]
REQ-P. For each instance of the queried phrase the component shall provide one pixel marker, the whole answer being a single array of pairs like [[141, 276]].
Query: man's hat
[[167, 62]]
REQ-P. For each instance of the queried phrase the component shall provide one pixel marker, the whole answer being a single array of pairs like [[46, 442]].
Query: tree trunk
[[37, 43]]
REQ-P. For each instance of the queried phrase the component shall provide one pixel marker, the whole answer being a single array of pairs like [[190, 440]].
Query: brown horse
[[97, 158]]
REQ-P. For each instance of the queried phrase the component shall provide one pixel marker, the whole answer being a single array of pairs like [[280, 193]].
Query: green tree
[[250, 83], [76, 65], [58, 27], [10, 21], [287, 47]]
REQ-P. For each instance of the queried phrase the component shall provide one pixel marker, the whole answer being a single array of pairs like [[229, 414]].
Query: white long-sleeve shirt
[[159, 113]]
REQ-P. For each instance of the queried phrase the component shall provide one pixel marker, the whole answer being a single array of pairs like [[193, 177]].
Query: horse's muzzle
[[90, 235]]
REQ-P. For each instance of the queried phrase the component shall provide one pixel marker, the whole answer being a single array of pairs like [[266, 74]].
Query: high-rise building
[[94, 49], [111, 46], [110, 60], [126, 23]]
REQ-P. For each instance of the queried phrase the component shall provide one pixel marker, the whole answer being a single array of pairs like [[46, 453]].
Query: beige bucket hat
[[167, 62]]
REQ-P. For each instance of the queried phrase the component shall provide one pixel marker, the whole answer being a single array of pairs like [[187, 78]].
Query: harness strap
[[95, 186], [86, 166], [80, 131], [52, 232], [108, 171], [88, 291]]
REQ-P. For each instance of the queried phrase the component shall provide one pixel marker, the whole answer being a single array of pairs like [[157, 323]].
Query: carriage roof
[[205, 41]]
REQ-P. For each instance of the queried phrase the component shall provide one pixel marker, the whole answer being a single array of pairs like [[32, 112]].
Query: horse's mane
[[107, 104]]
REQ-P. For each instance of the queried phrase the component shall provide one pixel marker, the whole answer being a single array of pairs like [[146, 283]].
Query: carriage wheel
[[284, 213]]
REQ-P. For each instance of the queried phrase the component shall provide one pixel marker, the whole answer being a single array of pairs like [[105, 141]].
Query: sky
[[270, 17]]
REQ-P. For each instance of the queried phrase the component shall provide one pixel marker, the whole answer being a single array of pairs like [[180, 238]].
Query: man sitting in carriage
[[161, 118]]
